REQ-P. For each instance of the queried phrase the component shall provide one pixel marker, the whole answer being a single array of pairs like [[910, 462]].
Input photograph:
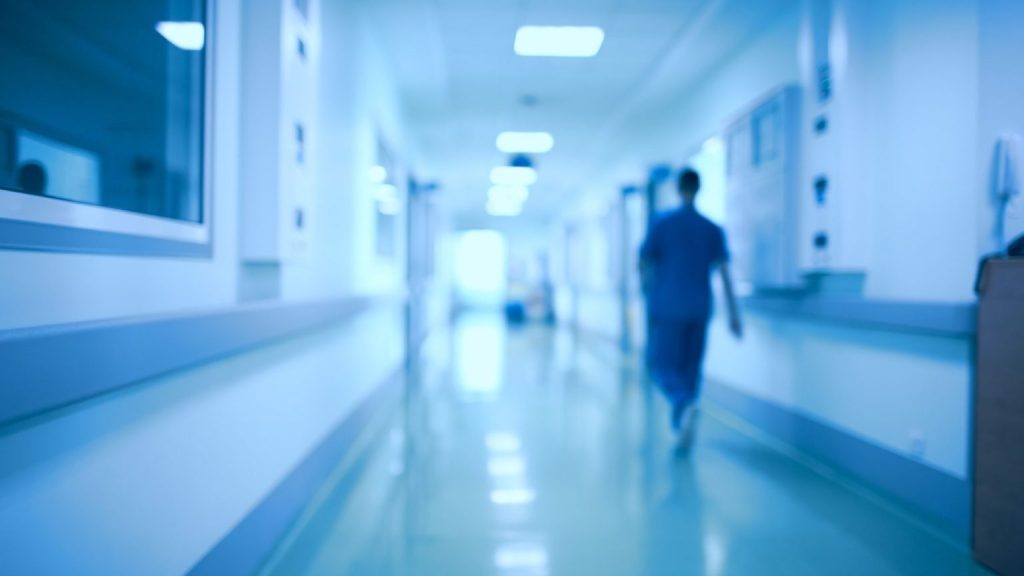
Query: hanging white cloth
[[1006, 189]]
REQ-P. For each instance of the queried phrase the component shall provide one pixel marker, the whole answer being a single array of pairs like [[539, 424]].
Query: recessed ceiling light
[[185, 35], [559, 41], [513, 176], [525, 142]]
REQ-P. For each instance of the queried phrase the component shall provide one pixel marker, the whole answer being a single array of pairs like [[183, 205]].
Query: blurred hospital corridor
[[535, 451], [511, 287]]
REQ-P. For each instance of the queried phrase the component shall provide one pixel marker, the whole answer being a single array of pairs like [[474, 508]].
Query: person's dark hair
[[689, 181], [32, 178]]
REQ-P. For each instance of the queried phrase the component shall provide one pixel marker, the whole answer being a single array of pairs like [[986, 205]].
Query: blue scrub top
[[683, 247]]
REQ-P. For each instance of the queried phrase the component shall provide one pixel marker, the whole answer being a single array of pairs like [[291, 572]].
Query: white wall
[[925, 196], [357, 96], [357, 100], [912, 105], [49, 288], [1002, 89], [147, 480], [892, 389], [914, 87]]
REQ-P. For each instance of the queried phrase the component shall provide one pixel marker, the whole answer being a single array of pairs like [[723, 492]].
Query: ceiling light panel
[[525, 142], [559, 41]]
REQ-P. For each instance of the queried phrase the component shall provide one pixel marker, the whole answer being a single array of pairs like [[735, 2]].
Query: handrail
[[50, 367], [949, 319], [936, 318]]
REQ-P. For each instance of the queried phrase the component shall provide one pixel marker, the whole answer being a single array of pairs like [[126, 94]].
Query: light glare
[[506, 466], [513, 497], [532, 558], [185, 35], [378, 174], [387, 192], [390, 207], [559, 41], [516, 194], [525, 142], [502, 442], [513, 176], [499, 208]]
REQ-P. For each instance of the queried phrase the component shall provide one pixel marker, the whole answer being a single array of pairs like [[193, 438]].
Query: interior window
[[101, 103]]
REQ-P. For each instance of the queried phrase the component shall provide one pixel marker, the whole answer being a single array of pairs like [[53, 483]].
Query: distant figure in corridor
[[681, 251], [32, 178]]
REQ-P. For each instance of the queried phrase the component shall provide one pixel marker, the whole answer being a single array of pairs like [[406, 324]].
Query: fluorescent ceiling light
[[525, 142], [184, 35], [513, 176], [505, 193], [561, 41]]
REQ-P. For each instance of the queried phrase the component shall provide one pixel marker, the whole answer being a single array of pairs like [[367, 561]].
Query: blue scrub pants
[[677, 357]]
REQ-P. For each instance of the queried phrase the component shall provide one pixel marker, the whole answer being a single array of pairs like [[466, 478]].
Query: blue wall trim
[[941, 319], [949, 319], [50, 367], [933, 492], [244, 550]]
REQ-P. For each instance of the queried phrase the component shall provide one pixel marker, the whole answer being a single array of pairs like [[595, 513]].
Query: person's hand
[[736, 327]]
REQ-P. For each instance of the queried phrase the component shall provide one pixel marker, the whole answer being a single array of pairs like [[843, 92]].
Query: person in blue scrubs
[[681, 252]]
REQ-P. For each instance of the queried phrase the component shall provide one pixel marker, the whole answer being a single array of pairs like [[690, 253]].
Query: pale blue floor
[[532, 452]]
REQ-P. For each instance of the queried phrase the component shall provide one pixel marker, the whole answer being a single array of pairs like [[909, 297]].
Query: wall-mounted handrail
[[45, 368]]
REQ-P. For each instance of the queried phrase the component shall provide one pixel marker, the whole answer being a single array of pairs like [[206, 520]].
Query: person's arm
[[735, 322]]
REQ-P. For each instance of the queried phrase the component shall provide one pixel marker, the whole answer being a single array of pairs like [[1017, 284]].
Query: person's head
[[689, 184], [32, 178]]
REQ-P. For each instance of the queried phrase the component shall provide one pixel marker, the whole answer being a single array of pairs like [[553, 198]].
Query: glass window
[[101, 104]]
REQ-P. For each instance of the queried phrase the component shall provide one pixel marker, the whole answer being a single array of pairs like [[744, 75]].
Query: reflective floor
[[533, 452]]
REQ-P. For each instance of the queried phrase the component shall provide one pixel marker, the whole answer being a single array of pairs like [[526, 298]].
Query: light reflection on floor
[[534, 452]]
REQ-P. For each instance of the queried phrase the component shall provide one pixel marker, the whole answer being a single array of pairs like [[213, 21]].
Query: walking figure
[[682, 250]]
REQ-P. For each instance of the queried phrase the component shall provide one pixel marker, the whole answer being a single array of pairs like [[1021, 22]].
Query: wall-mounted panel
[[762, 211], [280, 71]]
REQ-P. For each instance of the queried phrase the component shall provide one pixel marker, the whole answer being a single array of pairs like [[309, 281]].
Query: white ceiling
[[462, 83]]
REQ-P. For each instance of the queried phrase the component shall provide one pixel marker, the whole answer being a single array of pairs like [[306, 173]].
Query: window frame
[[40, 223]]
